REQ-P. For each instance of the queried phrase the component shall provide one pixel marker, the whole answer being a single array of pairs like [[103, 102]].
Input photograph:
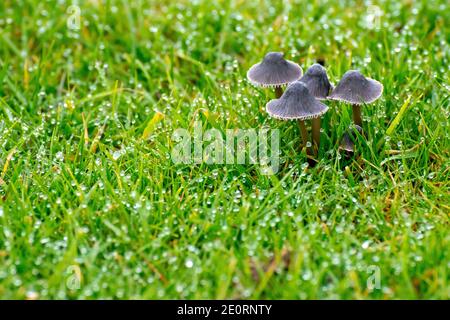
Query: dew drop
[[189, 263], [365, 244]]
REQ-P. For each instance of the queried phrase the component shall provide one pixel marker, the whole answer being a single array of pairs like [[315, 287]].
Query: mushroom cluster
[[303, 97]]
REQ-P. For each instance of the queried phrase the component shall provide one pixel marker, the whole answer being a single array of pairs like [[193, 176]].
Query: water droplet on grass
[[116, 155], [59, 156], [366, 244], [189, 263], [307, 275]]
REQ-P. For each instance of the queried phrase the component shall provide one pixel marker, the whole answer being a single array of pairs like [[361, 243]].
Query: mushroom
[[349, 138], [298, 103], [316, 80], [356, 89], [274, 71]]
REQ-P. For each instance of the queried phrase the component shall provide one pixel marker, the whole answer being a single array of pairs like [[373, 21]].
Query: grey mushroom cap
[[296, 103], [274, 71], [356, 89], [316, 80], [347, 142]]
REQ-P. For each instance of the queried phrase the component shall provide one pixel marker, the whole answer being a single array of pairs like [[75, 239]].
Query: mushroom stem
[[304, 133], [316, 134], [278, 92], [357, 119]]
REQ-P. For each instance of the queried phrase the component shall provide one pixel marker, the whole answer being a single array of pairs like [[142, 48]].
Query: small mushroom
[[349, 138], [356, 89], [298, 103], [316, 80], [274, 71]]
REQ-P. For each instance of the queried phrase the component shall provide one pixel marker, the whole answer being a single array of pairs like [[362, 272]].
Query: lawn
[[92, 205]]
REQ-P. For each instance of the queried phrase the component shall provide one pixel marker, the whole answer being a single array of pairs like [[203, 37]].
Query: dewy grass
[[91, 205]]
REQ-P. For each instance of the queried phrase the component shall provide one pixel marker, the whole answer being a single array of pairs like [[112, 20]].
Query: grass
[[91, 206]]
